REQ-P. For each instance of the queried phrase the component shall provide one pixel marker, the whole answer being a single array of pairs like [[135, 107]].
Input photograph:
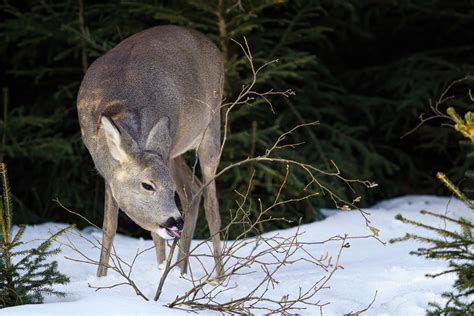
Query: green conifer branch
[[458, 249], [464, 126], [461, 221], [31, 277], [6, 210], [19, 234], [442, 232], [459, 194]]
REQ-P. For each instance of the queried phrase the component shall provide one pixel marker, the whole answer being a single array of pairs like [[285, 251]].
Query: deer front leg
[[109, 228], [187, 186], [159, 248]]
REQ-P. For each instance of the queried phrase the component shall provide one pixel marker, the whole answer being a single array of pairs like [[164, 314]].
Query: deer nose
[[180, 223], [172, 222]]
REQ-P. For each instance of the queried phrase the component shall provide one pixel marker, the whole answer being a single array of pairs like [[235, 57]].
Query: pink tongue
[[174, 233]]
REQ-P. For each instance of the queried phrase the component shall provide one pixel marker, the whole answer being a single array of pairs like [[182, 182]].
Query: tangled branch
[[264, 257]]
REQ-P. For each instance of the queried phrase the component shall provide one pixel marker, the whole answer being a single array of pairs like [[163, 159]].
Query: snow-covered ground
[[369, 266]]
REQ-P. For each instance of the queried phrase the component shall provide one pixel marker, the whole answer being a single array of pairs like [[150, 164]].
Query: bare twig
[[166, 270], [264, 256], [435, 108], [116, 264], [365, 309]]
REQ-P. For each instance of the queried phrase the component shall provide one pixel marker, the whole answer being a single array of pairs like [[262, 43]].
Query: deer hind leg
[[188, 189], [208, 152], [109, 228]]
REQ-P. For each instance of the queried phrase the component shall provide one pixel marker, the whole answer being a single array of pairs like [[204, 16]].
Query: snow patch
[[369, 266]]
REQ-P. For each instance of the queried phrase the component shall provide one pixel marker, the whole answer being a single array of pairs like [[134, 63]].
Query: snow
[[369, 266]]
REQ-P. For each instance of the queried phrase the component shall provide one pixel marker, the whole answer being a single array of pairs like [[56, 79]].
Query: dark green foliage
[[454, 246], [364, 69], [25, 276]]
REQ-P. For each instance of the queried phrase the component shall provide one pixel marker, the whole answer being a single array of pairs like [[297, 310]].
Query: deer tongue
[[173, 233]]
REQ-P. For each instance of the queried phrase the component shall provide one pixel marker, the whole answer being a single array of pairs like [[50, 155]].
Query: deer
[[153, 97]]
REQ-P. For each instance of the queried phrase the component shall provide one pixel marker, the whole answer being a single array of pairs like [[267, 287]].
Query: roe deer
[[154, 96]]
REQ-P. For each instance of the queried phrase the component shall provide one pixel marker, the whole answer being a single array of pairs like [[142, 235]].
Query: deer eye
[[147, 186]]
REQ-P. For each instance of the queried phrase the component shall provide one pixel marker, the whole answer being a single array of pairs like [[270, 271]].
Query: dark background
[[365, 69]]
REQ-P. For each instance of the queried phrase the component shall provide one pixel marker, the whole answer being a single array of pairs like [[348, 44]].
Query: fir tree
[[25, 276], [455, 246], [364, 69]]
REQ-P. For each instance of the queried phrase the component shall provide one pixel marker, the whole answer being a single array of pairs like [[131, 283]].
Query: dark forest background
[[365, 69]]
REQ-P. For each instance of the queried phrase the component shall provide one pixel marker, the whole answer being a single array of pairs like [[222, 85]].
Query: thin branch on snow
[[116, 263], [358, 313], [263, 257]]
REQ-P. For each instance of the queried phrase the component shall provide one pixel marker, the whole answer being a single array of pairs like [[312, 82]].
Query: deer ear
[[159, 138], [114, 139]]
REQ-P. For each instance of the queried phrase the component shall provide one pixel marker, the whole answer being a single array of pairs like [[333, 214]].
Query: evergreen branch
[[19, 234], [460, 195], [7, 206], [461, 222], [440, 231]]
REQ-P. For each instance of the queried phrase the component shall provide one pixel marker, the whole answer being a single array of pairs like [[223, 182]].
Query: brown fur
[[154, 96]]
